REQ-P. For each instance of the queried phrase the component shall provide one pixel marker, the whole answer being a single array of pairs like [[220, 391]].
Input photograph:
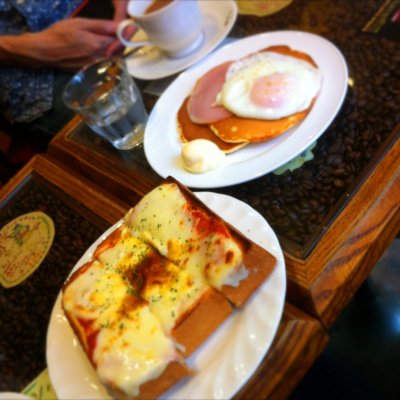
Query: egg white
[[285, 84]]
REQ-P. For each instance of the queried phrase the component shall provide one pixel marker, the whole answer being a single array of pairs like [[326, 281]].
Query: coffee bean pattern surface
[[25, 309], [299, 205]]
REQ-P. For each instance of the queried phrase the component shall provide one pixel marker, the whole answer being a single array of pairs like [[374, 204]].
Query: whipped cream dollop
[[201, 155]]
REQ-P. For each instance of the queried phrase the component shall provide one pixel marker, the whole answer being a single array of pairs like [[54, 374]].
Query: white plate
[[218, 19], [161, 142], [13, 396], [225, 361]]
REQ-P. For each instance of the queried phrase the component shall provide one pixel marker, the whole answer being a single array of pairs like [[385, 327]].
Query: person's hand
[[120, 13], [69, 44], [76, 42]]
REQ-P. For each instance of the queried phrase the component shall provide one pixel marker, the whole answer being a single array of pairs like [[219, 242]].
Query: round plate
[[13, 396], [225, 361], [218, 19], [161, 141]]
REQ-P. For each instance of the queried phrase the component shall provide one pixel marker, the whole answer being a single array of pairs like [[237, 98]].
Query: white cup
[[175, 28]]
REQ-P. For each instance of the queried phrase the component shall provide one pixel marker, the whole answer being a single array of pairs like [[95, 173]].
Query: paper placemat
[[41, 388]]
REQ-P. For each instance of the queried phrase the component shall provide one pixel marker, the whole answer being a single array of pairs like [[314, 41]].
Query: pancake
[[237, 130], [189, 131], [287, 51]]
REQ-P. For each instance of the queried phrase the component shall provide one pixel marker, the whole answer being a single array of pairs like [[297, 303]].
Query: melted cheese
[[158, 220], [133, 351], [130, 347], [170, 290], [187, 236], [95, 294], [126, 253], [173, 295]]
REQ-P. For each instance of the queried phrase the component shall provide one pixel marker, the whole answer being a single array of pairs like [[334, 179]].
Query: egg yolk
[[272, 91]]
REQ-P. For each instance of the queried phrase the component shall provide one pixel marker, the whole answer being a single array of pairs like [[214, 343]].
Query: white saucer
[[218, 19]]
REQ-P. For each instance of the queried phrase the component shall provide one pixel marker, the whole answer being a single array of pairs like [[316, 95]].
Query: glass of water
[[107, 98]]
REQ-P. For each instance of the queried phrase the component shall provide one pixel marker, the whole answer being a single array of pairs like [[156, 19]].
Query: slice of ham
[[201, 105]]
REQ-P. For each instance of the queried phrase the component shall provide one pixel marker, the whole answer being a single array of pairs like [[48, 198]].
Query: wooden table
[[336, 214], [81, 211]]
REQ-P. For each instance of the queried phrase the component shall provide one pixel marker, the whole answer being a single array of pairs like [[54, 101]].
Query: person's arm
[[69, 44]]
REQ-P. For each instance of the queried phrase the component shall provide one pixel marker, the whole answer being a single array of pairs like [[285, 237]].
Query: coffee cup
[[174, 26]]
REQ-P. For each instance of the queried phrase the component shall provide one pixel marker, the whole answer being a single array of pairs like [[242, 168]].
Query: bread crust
[[152, 389], [195, 326], [259, 264]]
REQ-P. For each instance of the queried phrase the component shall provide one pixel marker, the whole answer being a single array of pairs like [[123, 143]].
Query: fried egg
[[268, 85]]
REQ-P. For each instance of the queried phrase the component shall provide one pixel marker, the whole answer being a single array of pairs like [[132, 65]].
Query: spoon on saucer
[[139, 51]]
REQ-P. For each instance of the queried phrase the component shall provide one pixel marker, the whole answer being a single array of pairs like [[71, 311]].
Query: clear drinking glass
[[107, 98]]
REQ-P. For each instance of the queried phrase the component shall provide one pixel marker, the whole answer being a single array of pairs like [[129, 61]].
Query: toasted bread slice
[[258, 262], [176, 295], [122, 338], [188, 233], [154, 388], [157, 287]]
